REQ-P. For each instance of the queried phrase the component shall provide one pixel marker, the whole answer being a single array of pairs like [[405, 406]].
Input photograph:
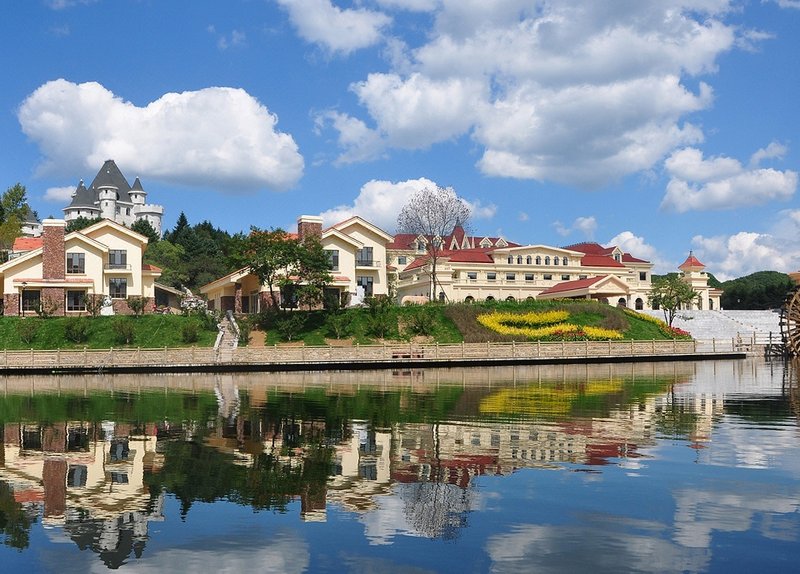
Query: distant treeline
[[761, 290]]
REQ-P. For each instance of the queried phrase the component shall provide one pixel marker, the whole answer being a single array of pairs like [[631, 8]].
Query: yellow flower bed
[[552, 324]]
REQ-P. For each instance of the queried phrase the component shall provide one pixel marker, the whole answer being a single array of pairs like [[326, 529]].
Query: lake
[[649, 467]]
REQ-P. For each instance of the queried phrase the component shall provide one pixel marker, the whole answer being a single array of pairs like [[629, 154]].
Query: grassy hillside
[[147, 331], [518, 321]]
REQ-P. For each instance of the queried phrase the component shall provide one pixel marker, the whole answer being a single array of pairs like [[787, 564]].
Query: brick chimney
[[308, 225], [54, 258]]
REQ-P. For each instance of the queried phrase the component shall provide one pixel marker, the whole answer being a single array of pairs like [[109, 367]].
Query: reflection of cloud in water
[[423, 509], [699, 513], [367, 565], [606, 546], [281, 551]]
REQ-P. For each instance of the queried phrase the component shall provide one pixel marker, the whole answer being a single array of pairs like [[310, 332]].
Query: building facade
[[62, 270], [357, 252], [485, 268], [693, 273], [110, 196]]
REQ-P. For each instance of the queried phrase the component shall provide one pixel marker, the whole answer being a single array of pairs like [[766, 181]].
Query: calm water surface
[[687, 467]]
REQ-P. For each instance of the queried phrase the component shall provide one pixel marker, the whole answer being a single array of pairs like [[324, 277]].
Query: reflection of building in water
[[87, 478]]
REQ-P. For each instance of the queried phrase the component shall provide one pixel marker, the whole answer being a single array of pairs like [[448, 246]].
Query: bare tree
[[433, 214]]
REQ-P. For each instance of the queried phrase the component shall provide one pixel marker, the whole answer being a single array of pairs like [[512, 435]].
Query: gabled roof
[[119, 227], [593, 248], [332, 232], [406, 241], [583, 287], [356, 219]]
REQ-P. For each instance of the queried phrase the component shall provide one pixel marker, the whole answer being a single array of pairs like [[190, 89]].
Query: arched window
[[519, 259], [547, 260], [510, 259], [538, 260], [528, 260], [639, 304], [469, 299], [490, 298], [555, 260], [621, 302], [510, 298], [565, 261]]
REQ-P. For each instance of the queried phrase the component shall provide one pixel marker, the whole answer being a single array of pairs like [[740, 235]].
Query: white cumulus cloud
[[738, 254], [379, 202], [574, 92], [637, 246], [698, 184], [219, 138], [584, 225], [336, 29], [60, 195]]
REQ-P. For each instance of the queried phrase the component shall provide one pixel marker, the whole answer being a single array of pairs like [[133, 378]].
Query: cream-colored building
[[484, 269], [357, 252], [61, 270], [693, 273]]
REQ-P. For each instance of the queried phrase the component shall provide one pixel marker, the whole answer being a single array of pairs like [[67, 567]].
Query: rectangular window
[[583, 276], [511, 276], [333, 258], [472, 275], [76, 300], [401, 260], [642, 275], [117, 259], [491, 276], [76, 263], [548, 277], [364, 257], [31, 299], [565, 277], [118, 287], [529, 277]]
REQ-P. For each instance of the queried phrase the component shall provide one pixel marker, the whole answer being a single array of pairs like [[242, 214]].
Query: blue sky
[[658, 125]]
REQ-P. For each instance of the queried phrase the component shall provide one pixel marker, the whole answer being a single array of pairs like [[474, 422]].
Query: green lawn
[[147, 331]]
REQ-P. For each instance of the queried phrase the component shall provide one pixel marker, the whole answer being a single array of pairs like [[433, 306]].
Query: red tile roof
[[26, 244], [148, 267], [600, 261], [573, 285], [691, 262]]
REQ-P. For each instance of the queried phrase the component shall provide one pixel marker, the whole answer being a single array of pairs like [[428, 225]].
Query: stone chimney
[[54, 258], [308, 225]]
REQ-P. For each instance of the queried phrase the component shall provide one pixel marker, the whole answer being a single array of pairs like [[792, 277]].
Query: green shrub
[[190, 331], [26, 329], [338, 324], [421, 321], [289, 325], [137, 304], [124, 330], [76, 329], [245, 328]]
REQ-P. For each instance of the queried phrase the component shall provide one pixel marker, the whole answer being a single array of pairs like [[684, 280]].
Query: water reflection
[[415, 454]]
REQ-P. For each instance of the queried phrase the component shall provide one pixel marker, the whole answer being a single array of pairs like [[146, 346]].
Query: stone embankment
[[283, 358]]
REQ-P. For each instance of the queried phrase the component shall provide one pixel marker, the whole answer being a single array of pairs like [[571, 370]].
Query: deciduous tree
[[433, 214], [670, 294]]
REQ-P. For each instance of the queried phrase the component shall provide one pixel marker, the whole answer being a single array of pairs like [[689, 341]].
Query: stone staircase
[[727, 324], [229, 339]]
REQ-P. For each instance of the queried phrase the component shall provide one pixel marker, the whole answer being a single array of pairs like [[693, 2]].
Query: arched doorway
[[621, 302], [469, 299], [639, 304]]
